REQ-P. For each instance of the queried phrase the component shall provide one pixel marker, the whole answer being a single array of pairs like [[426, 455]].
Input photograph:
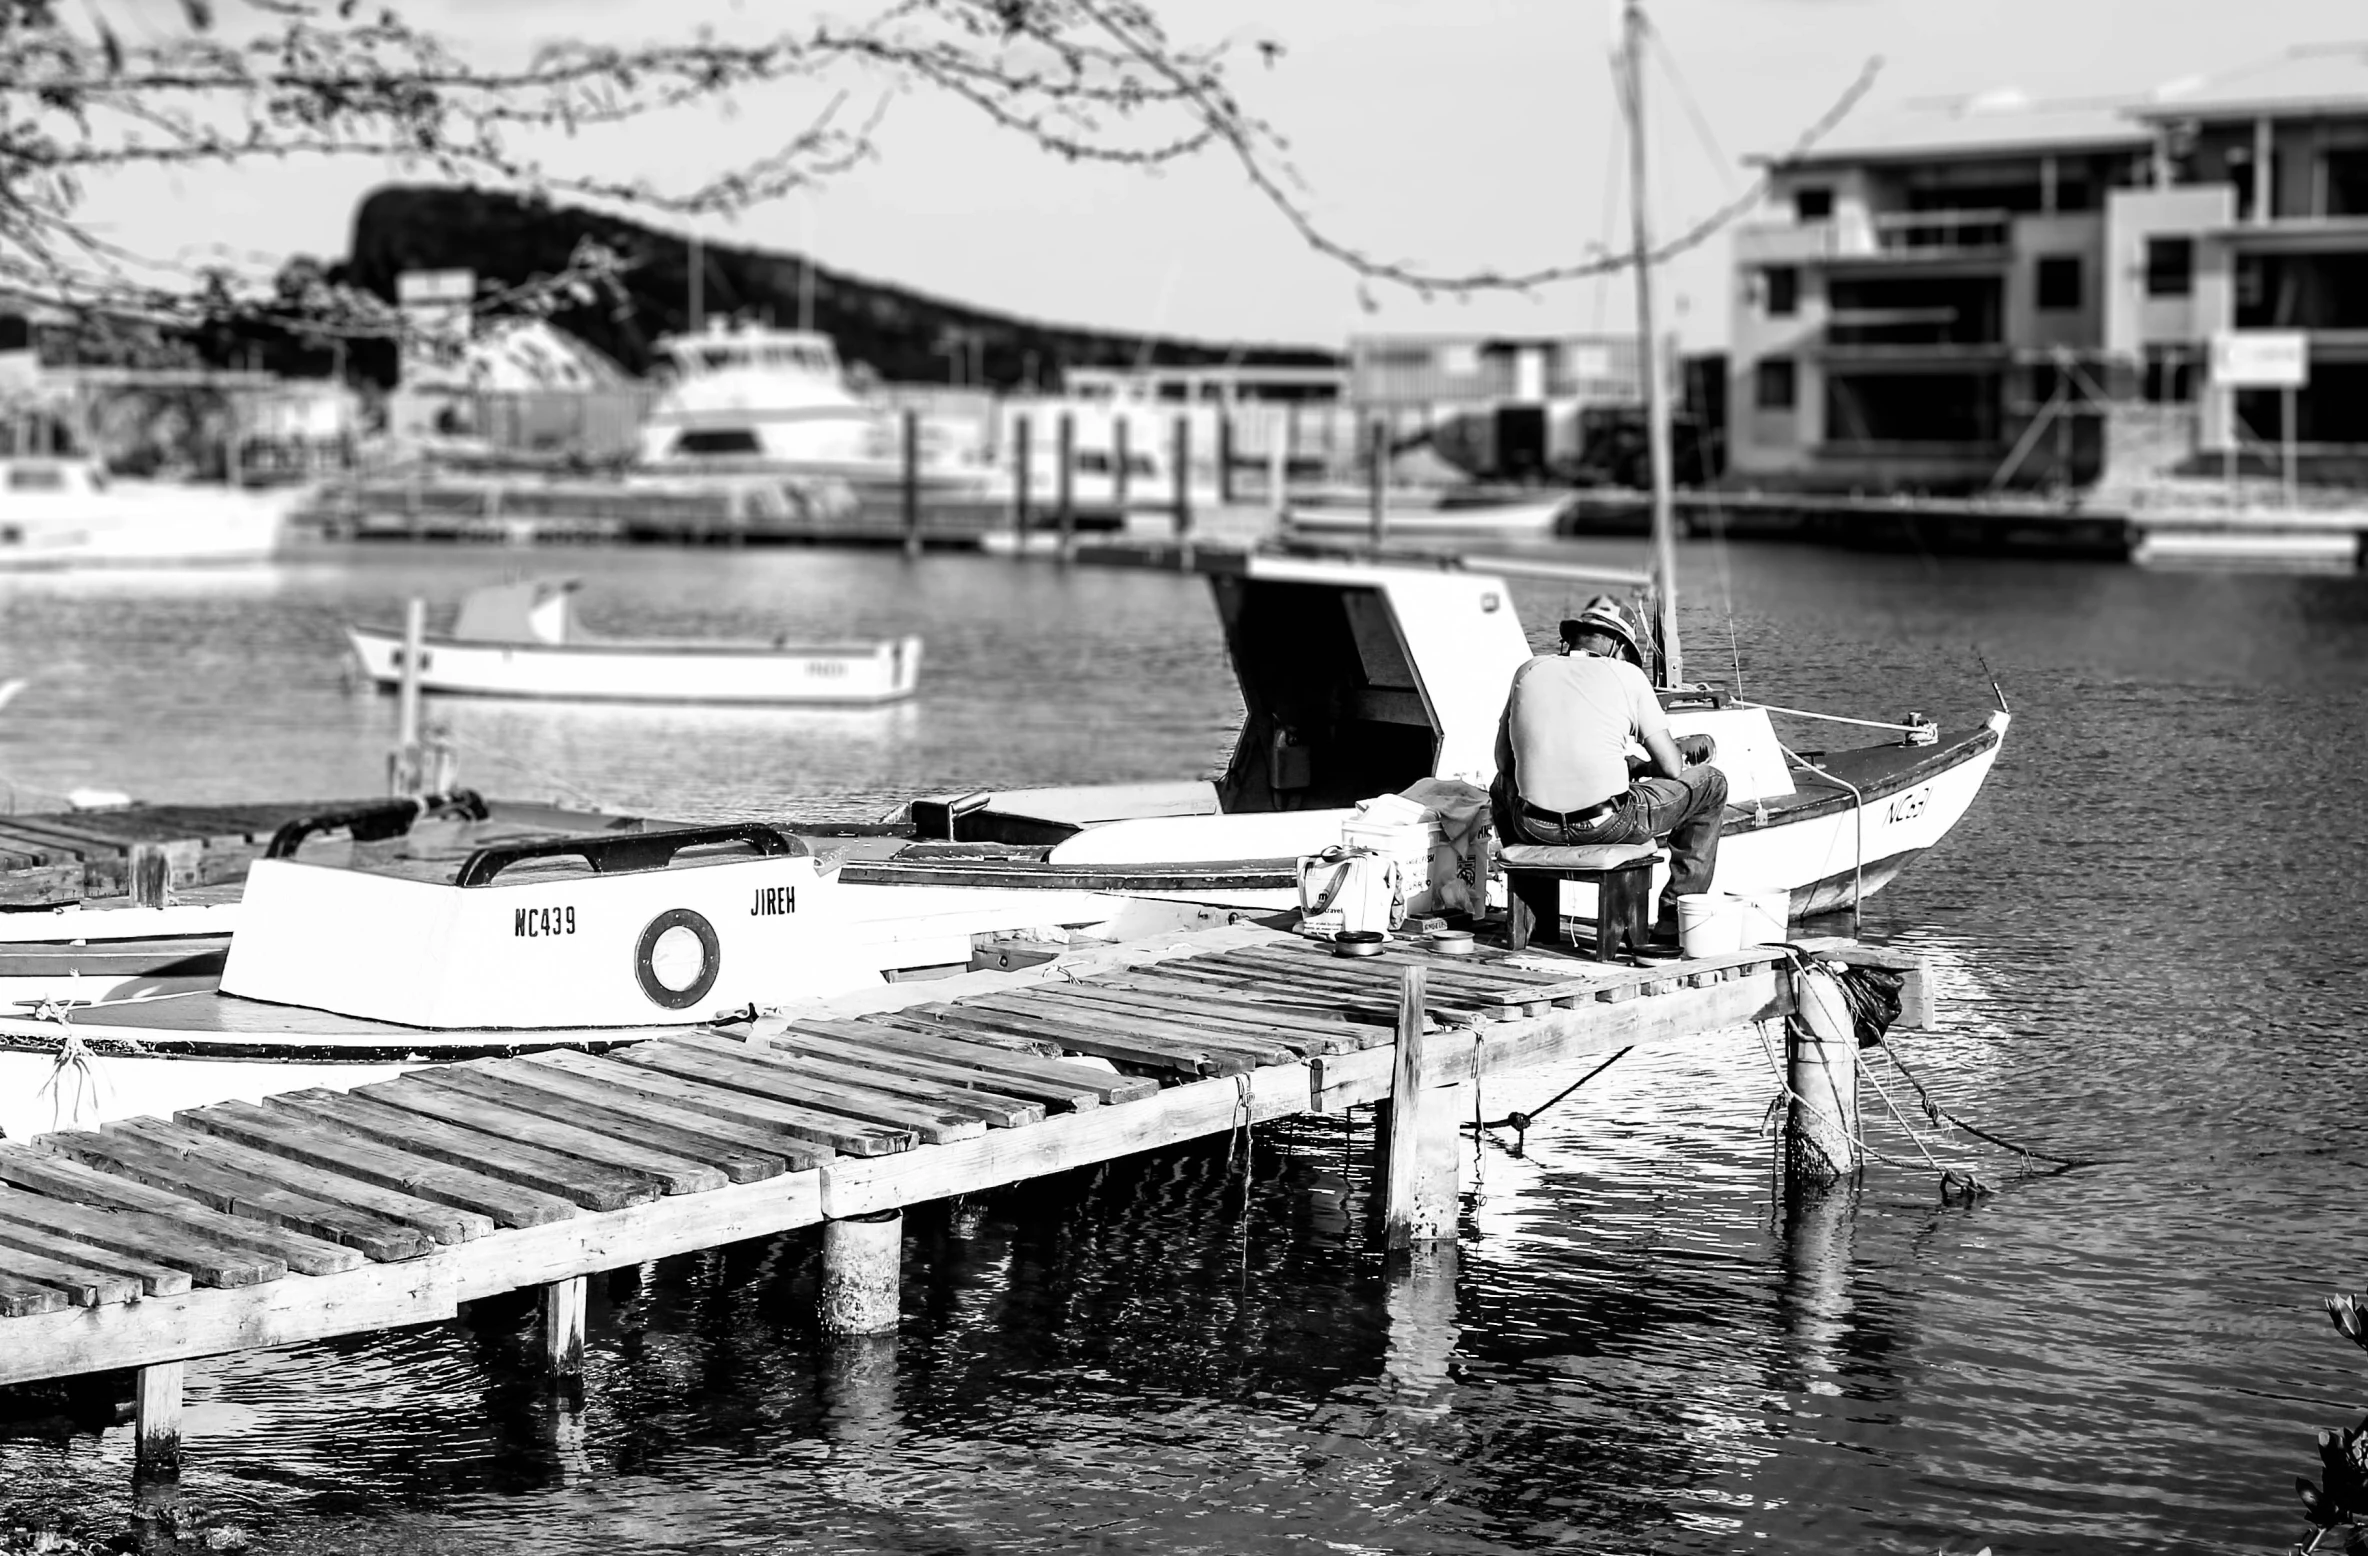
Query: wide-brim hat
[[1603, 614]]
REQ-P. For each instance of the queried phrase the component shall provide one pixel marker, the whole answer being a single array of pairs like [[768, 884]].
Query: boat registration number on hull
[[542, 923], [1908, 806]]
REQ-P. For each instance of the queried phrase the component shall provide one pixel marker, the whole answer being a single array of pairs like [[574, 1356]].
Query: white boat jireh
[[65, 511], [353, 966], [521, 640]]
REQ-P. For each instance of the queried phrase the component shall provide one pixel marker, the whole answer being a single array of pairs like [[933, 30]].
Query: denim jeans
[[1688, 811]]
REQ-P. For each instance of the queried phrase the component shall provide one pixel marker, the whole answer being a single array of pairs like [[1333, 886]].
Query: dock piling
[[402, 764], [1023, 456], [912, 483], [1065, 483], [861, 1262], [156, 1421], [1119, 455], [1181, 458], [563, 1329], [1377, 461], [1419, 1136], [151, 876], [1821, 1070], [1278, 470]]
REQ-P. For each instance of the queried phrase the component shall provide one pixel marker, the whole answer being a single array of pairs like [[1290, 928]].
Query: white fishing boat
[[1362, 678], [66, 511], [521, 640], [1441, 519]]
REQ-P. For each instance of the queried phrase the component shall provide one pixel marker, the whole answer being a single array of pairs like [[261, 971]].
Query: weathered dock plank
[[282, 1128], [847, 1135], [223, 1186], [550, 1172], [995, 1111], [694, 1162], [234, 1237], [854, 1043], [156, 1280]]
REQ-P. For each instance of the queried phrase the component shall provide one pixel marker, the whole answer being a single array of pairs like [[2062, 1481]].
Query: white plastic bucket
[[1766, 916], [1709, 923]]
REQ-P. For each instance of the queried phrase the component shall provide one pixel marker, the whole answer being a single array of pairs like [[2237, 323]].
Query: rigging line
[[1685, 95], [1613, 185], [1857, 820], [1829, 718]]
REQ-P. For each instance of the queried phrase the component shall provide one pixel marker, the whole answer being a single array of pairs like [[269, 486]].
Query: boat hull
[[854, 675]]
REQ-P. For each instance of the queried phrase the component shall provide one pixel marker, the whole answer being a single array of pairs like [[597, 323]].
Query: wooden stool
[[1621, 873]]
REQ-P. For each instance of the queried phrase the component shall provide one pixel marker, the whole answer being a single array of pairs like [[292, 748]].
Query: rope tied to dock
[[1519, 1122], [1943, 1118]]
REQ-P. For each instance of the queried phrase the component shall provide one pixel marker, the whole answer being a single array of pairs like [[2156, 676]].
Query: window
[[1813, 202], [718, 440], [2059, 283], [2169, 377], [36, 478], [2170, 267], [1784, 291], [1773, 385]]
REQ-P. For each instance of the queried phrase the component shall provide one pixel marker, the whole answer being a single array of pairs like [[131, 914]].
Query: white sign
[[2261, 359]]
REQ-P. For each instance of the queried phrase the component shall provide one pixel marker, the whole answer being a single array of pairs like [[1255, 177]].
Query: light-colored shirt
[[1568, 721]]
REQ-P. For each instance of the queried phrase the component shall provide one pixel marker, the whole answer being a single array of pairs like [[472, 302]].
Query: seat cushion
[[1585, 856]]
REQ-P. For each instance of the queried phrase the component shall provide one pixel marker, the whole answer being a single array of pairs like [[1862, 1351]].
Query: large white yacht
[[750, 399]]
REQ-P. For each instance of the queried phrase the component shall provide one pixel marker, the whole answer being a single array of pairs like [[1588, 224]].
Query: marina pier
[[151, 1243]]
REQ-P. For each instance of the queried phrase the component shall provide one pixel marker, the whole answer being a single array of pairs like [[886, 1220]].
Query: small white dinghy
[[521, 640]]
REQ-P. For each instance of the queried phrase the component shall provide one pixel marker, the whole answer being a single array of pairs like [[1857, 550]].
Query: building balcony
[[2296, 235]]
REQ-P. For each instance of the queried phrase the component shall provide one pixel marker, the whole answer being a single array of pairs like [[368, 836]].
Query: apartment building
[[2018, 295]]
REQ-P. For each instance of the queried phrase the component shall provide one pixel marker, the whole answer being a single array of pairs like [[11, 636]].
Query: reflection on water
[[2144, 940]]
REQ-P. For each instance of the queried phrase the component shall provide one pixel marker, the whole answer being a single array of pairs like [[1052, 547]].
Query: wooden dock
[[234, 1227]]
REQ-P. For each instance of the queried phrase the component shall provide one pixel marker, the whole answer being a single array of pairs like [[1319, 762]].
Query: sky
[[1456, 134]]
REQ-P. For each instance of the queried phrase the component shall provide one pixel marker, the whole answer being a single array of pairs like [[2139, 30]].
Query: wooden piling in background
[[1065, 483], [1377, 462], [151, 876], [1180, 455], [912, 483], [1023, 453], [1119, 440]]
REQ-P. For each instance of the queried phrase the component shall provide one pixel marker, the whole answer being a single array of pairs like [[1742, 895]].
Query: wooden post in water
[[1278, 466], [1023, 453], [912, 483], [1118, 465], [1420, 1137], [1821, 1068], [156, 1421], [563, 1330], [152, 876], [1377, 460], [403, 775], [1225, 459], [1180, 454], [861, 1256], [1065, 483]]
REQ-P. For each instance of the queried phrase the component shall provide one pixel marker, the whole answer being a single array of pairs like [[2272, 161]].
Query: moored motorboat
[[521, 640], [1436, 521], [353, 963]]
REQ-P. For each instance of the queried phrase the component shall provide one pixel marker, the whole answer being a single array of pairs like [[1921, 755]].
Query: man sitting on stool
[[1562, 772]]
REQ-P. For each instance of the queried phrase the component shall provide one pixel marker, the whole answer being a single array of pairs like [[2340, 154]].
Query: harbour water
[[2145, 935]]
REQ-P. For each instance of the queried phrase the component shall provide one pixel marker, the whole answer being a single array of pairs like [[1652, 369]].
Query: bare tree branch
[[1087, 80]]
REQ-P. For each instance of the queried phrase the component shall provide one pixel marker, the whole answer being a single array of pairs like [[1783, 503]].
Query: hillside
[[896, 331]]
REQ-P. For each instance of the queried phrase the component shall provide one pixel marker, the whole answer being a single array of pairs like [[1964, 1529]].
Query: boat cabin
[[1357, 679]]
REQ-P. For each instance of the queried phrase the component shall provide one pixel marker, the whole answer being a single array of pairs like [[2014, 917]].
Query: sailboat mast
[[1648, 344]]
